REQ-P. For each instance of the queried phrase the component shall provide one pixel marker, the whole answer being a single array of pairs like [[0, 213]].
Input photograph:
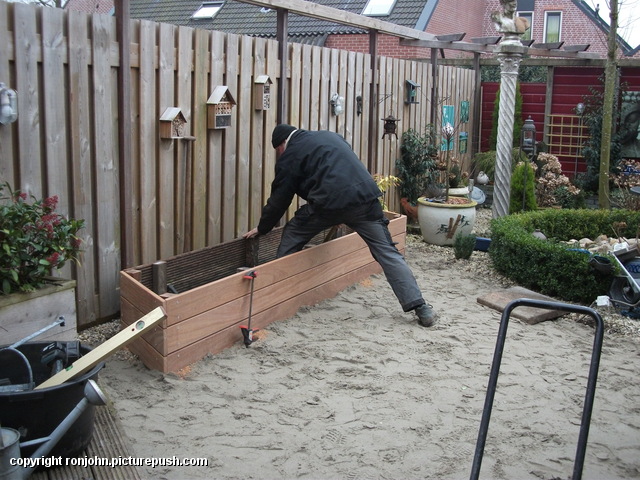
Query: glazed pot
[[441, 222]]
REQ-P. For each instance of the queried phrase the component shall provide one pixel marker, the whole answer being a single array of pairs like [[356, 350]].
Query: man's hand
[[251, 233]]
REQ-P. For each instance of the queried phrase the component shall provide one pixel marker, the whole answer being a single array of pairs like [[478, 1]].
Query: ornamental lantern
[[528, 137], [390, 125]]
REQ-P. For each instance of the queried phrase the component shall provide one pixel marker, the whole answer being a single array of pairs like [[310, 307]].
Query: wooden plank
[[199, 148], [166, 148], [184, 74], [230, 200], [244, 112], [316, 103], [259, 140], [328, 78], [80, 149], [149, 124], [216, 160], [269, 158], [355, 76], [106, 164], [7, 172], [55, 148], [135, 160], [105, 349], [28, 123]]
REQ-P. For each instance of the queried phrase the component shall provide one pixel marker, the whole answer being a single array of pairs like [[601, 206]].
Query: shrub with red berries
[[34, 240]]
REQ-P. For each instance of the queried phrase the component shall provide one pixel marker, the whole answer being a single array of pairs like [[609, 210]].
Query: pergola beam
[[411, 36]]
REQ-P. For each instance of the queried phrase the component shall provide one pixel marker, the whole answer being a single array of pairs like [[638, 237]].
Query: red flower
[[53, 258], [50, 202]]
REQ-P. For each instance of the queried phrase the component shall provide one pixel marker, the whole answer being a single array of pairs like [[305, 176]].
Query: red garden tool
[[247, 331]]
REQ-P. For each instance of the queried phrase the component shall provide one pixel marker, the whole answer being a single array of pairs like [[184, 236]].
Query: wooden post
[[159, 274]]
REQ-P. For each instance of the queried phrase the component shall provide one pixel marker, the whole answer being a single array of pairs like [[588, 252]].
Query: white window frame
[[528, 14], [378, 8], [547, 14], [207, 10]]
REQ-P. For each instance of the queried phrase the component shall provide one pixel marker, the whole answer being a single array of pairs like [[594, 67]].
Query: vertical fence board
[[149, 121], [269, 159], [105, 151], [230, 158], [55, 106], [184, 99], [166, 148], [83, 176], [256, 136], [243, 146], [216, 160], [29, 148], [7, 172], [199, 148], [329, 82], [347, 59]]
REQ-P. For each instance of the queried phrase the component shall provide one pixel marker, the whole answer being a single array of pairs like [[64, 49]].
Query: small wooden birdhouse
[[262, 92], [172, 123], [219, 108], [412, 92]]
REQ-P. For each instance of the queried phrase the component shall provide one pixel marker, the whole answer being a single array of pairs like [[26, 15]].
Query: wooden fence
[[208, 186]]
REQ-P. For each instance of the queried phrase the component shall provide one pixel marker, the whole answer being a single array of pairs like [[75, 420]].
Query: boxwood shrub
[[549, 266]]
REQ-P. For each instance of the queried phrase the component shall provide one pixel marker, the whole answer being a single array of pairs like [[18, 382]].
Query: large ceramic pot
[[441, 222]]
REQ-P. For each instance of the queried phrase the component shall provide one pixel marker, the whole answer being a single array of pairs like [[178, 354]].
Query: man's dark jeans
[[370, 223]]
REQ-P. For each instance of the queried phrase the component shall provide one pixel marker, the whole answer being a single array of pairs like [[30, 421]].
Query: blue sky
[[628, 18]]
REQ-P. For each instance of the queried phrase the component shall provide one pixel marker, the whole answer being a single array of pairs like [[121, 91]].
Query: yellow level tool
[[106, 349]]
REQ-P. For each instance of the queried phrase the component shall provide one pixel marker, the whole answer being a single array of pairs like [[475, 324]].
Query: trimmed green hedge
[[548, 266]]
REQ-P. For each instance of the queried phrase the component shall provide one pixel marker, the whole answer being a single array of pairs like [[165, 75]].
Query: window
[[207, 10], [529, 16], [378, 7], [552, 24]]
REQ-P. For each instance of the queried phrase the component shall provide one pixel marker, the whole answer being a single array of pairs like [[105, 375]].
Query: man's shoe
[[426, 315]]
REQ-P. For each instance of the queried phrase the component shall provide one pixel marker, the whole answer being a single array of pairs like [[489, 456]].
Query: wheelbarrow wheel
[[623, 291]]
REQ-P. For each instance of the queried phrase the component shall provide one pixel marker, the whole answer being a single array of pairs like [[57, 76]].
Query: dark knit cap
[[281, 133]]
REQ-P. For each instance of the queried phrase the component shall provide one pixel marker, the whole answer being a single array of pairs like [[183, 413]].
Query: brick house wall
[[388, 46], [454, 16], [475, 20], [576, 27]]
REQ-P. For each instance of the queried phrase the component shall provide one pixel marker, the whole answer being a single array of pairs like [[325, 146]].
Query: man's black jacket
[[321, 168]]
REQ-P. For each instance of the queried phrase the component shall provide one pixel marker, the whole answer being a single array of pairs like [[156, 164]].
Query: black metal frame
[[495, 370]]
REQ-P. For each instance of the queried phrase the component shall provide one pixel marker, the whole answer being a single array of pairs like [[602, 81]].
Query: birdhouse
[[262, 92], [412, 92], [219, 108], [172, 123]]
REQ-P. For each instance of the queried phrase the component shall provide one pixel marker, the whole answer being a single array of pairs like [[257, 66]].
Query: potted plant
[[440, 214], [35, 240], [416, 167]]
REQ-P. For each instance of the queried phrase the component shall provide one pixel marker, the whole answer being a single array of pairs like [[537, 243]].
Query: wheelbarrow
[[495, 370], [625, 289]]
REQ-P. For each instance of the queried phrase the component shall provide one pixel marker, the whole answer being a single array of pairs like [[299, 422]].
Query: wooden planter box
[[213, 297]]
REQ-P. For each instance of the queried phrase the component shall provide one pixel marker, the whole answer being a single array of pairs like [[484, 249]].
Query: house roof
[[244, 19]]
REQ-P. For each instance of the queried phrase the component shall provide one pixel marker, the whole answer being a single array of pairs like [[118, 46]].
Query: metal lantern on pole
[[528, 137], [528, 146]]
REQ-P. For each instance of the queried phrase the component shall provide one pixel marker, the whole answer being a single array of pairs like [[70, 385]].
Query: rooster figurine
[[411, 211]]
